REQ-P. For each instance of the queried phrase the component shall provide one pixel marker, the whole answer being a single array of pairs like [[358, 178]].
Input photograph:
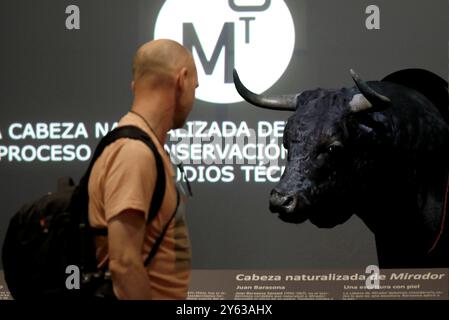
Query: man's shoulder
[[130, 149]]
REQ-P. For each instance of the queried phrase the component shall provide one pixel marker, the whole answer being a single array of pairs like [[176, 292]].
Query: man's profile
[[123, 179]]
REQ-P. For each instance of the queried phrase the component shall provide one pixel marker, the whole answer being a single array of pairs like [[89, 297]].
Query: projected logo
[[255, 36]]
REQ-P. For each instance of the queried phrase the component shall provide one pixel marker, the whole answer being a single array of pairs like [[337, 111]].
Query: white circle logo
[[257, 37]]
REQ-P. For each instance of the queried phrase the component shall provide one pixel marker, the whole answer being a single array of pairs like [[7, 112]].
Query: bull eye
[[334, 148]]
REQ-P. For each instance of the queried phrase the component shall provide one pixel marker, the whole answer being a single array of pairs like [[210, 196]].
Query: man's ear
[[133, 85], [182, 78]]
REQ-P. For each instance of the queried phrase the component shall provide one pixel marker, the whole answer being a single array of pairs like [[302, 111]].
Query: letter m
[[226, 40]]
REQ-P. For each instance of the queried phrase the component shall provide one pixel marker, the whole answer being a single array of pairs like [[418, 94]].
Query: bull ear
[[368, 100]]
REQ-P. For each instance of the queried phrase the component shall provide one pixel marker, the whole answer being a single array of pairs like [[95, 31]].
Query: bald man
[[123, 179]]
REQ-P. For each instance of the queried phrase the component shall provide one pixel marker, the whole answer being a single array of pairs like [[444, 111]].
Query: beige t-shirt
[[123, 178]]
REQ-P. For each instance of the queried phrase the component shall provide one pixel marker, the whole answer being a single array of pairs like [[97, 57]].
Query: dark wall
[[48, 73]]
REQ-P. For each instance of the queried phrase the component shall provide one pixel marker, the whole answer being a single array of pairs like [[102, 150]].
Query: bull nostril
[[287, 202]]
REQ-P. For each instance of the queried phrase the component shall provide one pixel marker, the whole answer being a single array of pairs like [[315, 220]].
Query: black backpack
[[47, 236]]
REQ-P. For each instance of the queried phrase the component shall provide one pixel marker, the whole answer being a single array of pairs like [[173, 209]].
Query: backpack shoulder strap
[[79, 204], [159, 189], [158, 241], [131, 132]]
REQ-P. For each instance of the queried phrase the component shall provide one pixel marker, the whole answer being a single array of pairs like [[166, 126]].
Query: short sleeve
[[130, 179]]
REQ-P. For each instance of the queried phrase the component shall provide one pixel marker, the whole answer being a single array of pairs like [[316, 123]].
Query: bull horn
[[372, 101], [283, 103]]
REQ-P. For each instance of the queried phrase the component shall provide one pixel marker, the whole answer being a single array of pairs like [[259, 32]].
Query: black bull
[[379, 150]]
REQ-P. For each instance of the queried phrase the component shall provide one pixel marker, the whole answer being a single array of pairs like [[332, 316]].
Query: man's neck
[[157, 115]]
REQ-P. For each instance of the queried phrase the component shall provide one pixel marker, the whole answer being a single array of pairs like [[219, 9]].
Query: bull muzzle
[[282, 203], [292, 208]]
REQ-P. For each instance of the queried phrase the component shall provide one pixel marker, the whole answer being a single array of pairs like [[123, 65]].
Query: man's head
[[166, 66]]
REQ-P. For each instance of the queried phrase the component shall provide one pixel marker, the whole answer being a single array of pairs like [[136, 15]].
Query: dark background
[[48, 73]]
